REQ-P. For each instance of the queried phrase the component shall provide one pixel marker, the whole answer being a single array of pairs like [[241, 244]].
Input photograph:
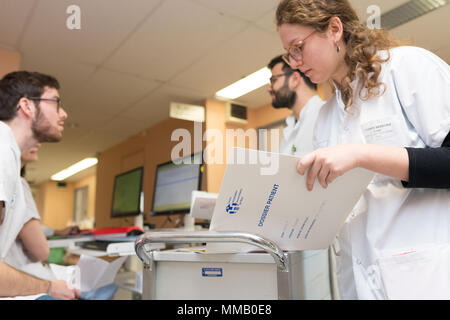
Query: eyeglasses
[[275, 77], [57, 100], [295, 51]]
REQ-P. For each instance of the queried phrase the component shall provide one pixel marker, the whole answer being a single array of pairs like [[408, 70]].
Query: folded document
[[279, 207]]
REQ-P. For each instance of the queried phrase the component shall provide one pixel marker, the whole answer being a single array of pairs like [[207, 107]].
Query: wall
[[215, 122], [56, 204], [265, 115], [9, 61], [91, 182], [149, 148]]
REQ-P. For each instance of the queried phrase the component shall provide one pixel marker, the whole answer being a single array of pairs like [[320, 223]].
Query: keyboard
[[96, 245]]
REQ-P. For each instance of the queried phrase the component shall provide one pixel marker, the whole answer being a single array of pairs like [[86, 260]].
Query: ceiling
[[130, 59]]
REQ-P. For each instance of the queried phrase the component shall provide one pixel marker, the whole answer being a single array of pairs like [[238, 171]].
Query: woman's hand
[[328, 163]]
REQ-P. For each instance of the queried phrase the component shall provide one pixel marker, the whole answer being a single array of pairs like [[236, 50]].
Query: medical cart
[[266, 274]]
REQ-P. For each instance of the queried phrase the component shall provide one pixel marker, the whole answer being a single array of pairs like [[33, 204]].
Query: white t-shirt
[[16, 256], [11, 192], [396, 242], [298, 136]]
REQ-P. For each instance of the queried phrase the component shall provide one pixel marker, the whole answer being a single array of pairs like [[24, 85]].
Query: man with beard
[[293, 90], [30, 113]]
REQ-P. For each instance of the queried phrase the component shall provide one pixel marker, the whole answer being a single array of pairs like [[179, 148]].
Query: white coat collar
[[291, 121]]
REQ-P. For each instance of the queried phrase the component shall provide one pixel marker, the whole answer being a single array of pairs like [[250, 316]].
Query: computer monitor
[[174, 183], [127, 193]]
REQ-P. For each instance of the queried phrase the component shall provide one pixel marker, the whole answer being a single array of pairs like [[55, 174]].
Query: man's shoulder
[[330, 103], [8, 146], [7, 150], [315, 105], [315, 102], [4, 129], [9, 159], [327, 109]]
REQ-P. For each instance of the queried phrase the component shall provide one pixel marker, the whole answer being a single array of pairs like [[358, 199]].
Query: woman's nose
[[295, 64]]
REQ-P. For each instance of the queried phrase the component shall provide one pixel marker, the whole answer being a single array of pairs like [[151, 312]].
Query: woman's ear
[[335, 29]]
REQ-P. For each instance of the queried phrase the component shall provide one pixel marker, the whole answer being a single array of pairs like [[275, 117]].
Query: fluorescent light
[[246, 85], [75, 168]]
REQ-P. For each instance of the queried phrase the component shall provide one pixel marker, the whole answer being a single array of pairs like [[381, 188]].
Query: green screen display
[[127, 193]]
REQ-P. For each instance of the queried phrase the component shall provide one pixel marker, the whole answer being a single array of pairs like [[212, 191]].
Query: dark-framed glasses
[[295, 51], [276, 76], [57, 100]]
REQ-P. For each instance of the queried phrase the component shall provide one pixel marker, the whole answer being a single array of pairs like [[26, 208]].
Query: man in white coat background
[[293, 90]]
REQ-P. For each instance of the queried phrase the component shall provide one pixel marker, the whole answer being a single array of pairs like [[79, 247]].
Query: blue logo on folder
[[234, 204]]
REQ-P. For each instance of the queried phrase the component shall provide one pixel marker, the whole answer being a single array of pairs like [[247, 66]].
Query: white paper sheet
[[279, 207], [96, 272], [70, 274]]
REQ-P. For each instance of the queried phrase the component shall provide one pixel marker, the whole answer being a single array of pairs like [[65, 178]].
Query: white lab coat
[[396, 242], [11, 191], [298, 136]]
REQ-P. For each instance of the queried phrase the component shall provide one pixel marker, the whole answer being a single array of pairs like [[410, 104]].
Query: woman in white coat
[[391, 115]]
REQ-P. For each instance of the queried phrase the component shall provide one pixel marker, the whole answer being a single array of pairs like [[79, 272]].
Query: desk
[[69, 242], [115, 249], [121, 245]]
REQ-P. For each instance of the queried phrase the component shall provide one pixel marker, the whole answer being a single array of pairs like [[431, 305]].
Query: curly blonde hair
[[361, 42]]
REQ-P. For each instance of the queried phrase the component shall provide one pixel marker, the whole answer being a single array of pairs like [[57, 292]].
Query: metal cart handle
[[208, 236]]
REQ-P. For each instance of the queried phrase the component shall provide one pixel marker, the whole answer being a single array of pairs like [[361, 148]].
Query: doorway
[[80, 207]]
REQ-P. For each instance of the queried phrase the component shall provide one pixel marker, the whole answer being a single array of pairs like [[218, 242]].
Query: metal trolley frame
[[284, 261]]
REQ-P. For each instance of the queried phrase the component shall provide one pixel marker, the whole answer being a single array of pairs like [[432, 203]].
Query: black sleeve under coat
[[429, 167]]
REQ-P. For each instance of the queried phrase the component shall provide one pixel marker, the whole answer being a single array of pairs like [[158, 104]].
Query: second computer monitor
[[174, 183]]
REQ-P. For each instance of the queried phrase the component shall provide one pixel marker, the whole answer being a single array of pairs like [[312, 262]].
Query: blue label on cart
[[212, 272]]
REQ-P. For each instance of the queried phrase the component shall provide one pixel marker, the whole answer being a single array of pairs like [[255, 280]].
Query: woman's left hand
[[328, 163]]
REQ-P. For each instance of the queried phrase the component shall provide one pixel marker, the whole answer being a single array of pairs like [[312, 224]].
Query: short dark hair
[[287, 68], [18, 84]]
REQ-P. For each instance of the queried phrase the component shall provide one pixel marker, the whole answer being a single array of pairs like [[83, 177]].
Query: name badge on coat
[[384, 131]]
